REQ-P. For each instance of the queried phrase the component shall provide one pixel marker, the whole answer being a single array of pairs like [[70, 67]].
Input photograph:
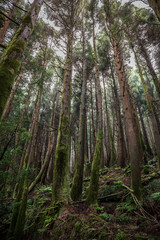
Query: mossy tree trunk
[[76, 190], [60, 188], [93, 186], [12, 57]]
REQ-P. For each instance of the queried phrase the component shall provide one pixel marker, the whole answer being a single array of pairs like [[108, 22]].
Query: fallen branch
[[144, 213], [110, 196]]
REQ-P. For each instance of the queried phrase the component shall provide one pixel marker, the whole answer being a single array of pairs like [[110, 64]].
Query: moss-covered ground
[[117, 215]]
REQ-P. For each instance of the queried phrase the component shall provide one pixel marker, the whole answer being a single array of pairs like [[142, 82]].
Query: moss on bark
[[61, 168], [93, 187]]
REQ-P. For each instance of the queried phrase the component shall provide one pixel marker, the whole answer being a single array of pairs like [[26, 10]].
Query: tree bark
[[121, 152], [151, 112], [9, 102], [131, 123], [76, 190], [60, 188], [12, 57], [93, 187], [7, 21]]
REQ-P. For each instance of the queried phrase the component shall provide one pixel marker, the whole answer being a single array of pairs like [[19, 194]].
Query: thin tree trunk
[[146, 141], [151, 112], [93, 187], [120, 138], [8, 105], [150, 67], [7, 21]]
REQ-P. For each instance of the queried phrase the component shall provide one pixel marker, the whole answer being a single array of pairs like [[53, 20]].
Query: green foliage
[[156, 197], [120, 235], [127, 206], [25, 136]]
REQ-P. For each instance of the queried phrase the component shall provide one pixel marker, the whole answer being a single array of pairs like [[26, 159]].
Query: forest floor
[[118, 214]]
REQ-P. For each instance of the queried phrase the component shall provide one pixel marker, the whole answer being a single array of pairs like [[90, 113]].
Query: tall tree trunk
[[131, 122], [111, 148], [12, 57], [60, 188], [35, 126], [93, 125], [121, 152], [93, 187], [151, 112], [76, 190]]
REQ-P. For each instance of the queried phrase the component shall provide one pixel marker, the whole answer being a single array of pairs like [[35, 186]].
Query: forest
[[79, 119]]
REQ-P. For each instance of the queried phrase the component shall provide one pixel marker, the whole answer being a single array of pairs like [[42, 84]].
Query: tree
[[93, 187], [131, 121], [60, 188], [12, 57]]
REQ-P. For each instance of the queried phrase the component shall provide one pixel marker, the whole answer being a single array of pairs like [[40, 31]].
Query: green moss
[[27, 20], [93, 187], [60, 175]]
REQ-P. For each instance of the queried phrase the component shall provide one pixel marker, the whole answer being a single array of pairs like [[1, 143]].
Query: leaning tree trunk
[[76, 190], [12, 57], [93, 187], [60, 188], [9, 102]]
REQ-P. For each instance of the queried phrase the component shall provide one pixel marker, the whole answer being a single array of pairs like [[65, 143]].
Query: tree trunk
[[146, 141], [60, 188], [121, 152], [7, 21], [12, 57], [150, 109], [150, 67], [93, 187], [8, 105], [131, 122], [50, 146], [76, 190]]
